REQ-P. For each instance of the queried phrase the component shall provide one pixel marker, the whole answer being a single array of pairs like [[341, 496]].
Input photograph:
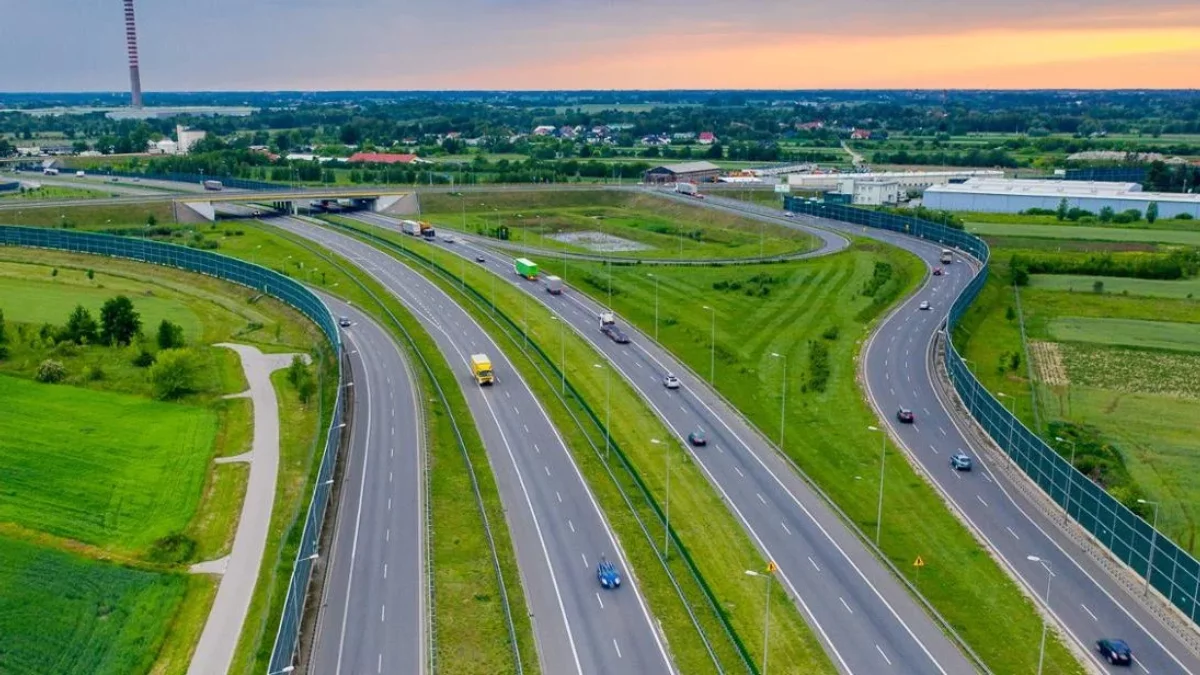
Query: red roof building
[[707, 138], [381, 158], [860, 135]]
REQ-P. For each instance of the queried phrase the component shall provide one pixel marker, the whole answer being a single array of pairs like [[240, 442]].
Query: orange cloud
[[1144, 57]]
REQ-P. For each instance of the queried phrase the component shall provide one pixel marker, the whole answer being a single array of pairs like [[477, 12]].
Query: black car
[[479, 259], [697, 437], [344, 322], [1116, 651], [906, 416], [618, 336]]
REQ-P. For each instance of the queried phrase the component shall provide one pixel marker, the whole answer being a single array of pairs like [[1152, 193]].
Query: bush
[[170, 335], [173, 374], [818, 366], [93, 373], [1010, 313], [50, 372], [144, 359], [1098, 286], [173, 549], [831, 333], [1183, 216]]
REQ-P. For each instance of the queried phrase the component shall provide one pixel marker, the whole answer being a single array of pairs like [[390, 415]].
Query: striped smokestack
[[135, 78]]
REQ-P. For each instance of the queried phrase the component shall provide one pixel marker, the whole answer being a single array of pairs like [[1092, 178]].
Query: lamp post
[[712, 355], [607, 405], [1153, 544], [770, 573], [655, 277], [1045, 620], [782, 398], [1070, 473], [882, 465]]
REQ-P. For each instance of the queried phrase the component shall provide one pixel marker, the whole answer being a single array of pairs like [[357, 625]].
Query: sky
[[195, 45]]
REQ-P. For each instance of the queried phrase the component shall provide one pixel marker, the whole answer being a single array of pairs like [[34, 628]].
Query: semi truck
[[526, 268], [214, 185], [410, 227], [481, 369], [607, 319], [427, 230], [554, 285], [947, 256]]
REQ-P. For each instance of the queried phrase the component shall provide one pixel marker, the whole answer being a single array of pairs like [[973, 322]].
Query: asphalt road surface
[[865, 618], [1087, 603], [373, 615], [558, 530]]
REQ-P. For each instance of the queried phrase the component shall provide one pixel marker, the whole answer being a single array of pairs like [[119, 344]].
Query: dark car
[[479, 259], [344, 322], [618, 336], [937, 271], [1116, 651], [607, 574], [697, 437], [906, 416], [960, 461]]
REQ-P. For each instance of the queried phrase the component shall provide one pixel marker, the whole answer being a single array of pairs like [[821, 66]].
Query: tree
[[1151, 212], [119, 322], [3, 338], [151, 221], [173, 374], [170, 335], [1097, 286], [1106, 214], [301, 377], [81, 327]]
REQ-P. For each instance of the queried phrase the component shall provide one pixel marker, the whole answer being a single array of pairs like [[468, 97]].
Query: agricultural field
[[1088, 233], [1127, 333], [1147, 288], [651, 226], [87, 217]]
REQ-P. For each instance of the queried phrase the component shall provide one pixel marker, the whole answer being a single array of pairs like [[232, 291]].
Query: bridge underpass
[[242, 205]]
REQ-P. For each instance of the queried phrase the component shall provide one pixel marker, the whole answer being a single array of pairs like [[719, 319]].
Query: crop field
[[662, 228], [1148, 288], [1085, 232], [60, 613], [1127, 332]]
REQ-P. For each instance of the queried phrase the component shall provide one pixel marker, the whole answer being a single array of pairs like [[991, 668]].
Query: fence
[[195, 179], [1170, 569], [260, 279]]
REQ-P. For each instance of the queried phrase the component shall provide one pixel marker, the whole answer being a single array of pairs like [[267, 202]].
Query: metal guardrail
[[1148, 552], [265, 281], [556, 379]]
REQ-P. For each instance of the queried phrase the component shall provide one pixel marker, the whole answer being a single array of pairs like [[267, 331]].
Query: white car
[[788, 214], [924, 305], [448, 238], [671, 382]]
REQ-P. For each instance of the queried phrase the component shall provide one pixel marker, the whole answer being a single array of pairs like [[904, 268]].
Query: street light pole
[[712, 357], [1012, 421], [766, 612], [1045, 620], [562, 344], [782, 399], [1153, 544], [882, 465]]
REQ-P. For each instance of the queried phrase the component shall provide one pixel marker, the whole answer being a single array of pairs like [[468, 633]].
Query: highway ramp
[[373, 616], [558, 530]]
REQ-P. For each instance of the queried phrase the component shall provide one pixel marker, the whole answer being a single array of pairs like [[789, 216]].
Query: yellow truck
[[481, 369]]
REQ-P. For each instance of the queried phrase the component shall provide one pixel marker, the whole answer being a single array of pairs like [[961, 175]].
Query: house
[[860, 135], [707, 138], [683, 136], [655, 140], [810, 126], [383, 158], [687, 172], [543, 130], [567, 132]]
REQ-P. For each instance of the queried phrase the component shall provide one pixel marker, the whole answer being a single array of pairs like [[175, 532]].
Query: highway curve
[[373, 615], [558, 530], [899, 370], [866, 620]]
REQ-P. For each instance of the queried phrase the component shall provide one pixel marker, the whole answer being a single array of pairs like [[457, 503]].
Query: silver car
[[671, 382]]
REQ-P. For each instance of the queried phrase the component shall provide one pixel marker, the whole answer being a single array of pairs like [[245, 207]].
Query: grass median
[[713, 538]]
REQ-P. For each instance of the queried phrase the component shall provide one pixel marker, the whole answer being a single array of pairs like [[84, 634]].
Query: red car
[[906, 416], [937, 271]]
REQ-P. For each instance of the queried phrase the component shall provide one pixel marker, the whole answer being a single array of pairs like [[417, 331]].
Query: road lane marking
[[572, 525], [980, 499], [599, 600], [935, 450], [536, 448], [942, 430], [617, 647], [379, 664], [559, 496], [585, 562], [814, 563], [885, 658], [1088, 611], [384, 570], [382, 613], [760, 498], [845, 605], [785, 528], [389, 476], [389, 503], [526, 427], [387, 534], [1014, 534], [739, 472], [547, 470]]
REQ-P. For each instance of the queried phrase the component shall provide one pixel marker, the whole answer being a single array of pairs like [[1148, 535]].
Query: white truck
[[411, 227], [554, 285], [607, 319], [688, 189]]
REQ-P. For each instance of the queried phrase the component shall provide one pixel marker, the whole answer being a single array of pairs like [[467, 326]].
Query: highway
[[1085, 601], [558, 530], [867, 621], [373, 616]]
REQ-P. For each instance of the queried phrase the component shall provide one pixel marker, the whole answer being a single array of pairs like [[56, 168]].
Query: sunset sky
[[609, 44]]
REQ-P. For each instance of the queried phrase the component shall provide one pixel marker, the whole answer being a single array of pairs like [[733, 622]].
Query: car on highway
[[924, 305], [788, 214], [448, 238], [607, 574], [618, 336], [1115, 652], [344, 322], [697, 438], [671, 382], [906, 416], [960, 461], [479, 259], [937, 272]]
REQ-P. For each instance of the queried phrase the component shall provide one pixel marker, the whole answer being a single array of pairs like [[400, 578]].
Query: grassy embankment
[[144, 493], [53, 192], [665, 228], [89, 216]]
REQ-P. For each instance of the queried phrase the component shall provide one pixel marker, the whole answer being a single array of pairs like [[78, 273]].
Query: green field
[[1148, 288], [1127, 332], [665, 228], [60, 613], [86, 216], [54, 192], [1085, 232]]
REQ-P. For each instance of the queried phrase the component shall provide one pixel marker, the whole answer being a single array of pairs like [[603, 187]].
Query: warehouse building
[[989, 195], [688, 172], [907, 180]]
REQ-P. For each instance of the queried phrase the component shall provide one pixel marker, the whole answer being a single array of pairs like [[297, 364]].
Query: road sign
[[771, 567], [918, 562]]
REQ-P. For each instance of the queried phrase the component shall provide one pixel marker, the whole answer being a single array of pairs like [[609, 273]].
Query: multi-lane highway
[[558, 530], [866, 620], [373, 614], [899, 371]]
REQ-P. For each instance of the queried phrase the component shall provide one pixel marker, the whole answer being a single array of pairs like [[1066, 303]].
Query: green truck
[[526, 268]]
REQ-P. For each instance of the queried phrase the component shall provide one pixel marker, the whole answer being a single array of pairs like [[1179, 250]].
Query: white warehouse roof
[[1014, 196], [1041, 188]]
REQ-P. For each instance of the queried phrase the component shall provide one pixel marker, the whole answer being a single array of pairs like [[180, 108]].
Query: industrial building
[[907, 180], [687, 172], [871, 192], [186, 138], [991, 195]]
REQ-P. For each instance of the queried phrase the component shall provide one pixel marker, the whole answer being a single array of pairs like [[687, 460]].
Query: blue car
[[607, 574], [960, 462]]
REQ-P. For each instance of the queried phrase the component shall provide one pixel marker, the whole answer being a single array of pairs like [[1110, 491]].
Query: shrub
[[1183, 216], [173, 374], [1097, 286], [818, 366], [1010, 313], [119, 322], [93, 373], [173, 549], [831, 333], [170, 335], [144, 359], [81, 328], [50, 372]]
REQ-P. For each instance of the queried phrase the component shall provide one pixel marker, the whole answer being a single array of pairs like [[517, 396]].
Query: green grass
[[88, 216], [62, 613], [54, 192], [652, 221], [1127, 332], [1148, 288], [1116, 234]]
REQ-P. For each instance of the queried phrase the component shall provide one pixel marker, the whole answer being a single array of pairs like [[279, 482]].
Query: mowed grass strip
[[1086, 232], [108, 469], [1147, 288], [64, 614], [1182, 337]]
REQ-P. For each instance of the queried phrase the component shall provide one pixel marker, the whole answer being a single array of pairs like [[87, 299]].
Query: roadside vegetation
[[52, 192], [90, 216]]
